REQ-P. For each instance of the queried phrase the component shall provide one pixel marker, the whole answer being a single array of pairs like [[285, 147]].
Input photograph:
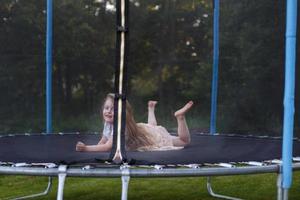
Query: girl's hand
[[80, 146]]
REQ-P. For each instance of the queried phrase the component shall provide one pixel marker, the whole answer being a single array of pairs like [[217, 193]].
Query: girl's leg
[[151, 114], [184, 137]]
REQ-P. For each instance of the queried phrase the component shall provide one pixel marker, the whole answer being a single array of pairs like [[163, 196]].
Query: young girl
[[141, 136]]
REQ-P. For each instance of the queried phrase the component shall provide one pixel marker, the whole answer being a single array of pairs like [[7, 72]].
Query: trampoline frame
[[126, 172]]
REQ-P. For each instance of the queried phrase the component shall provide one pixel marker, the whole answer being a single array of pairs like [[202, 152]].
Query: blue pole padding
[[289, 93], [49, 68], [214, 88]]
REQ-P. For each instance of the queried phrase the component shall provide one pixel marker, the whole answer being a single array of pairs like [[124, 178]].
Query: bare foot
[[152, 104], [181, 112]]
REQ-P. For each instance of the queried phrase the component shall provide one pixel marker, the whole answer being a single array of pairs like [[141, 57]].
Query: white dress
[[162, 139], [107, 130]]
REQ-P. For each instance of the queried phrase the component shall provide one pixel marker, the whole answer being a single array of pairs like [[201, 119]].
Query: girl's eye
[[108, 108]]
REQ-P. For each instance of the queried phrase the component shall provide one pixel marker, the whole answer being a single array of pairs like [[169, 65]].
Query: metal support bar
[[61, 181], [125, 182], [282, 194], [48, 188], [211, 192], [167, 172], [285, 194], [279, 188]]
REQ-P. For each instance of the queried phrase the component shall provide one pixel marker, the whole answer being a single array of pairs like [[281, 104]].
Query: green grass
[[258, 187]]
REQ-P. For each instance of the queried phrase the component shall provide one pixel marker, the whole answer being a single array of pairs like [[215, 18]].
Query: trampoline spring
[[51, 165], [87, 167], [194, 166], [21, 165], [5, 163], [255, 163], [276, 161], [159, 167], [227, 165], [106, 162], [171, 166], [45, 165], [296, 159]]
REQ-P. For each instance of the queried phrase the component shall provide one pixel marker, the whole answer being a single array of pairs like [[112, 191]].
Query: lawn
[[258, 187]]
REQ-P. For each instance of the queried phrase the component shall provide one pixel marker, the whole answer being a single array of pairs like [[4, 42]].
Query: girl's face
[[108, 111]]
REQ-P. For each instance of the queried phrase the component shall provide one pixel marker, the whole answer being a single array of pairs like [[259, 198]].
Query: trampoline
[[204, 148], [208, 154]]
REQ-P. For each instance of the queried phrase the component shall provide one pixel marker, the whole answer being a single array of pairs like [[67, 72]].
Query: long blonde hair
[[136, 137]]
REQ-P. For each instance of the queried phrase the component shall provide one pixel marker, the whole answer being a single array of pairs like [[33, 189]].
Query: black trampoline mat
[[56, 148]]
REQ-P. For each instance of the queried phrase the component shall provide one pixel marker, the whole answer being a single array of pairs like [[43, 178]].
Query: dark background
[[170, 61]]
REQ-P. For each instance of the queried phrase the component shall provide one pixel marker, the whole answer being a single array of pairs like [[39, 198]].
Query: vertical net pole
[[214, 88], [118, 152], [289, 92], [49, 67]]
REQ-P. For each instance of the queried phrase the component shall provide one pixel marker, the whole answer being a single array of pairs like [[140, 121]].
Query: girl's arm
[[103, 140], [99, 147]]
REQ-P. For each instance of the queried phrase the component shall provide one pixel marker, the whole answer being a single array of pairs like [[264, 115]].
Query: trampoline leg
[[285, 194], [125, 184], [282, 194], [211, 192], [48, 188], [61, 181], [279, 188]]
